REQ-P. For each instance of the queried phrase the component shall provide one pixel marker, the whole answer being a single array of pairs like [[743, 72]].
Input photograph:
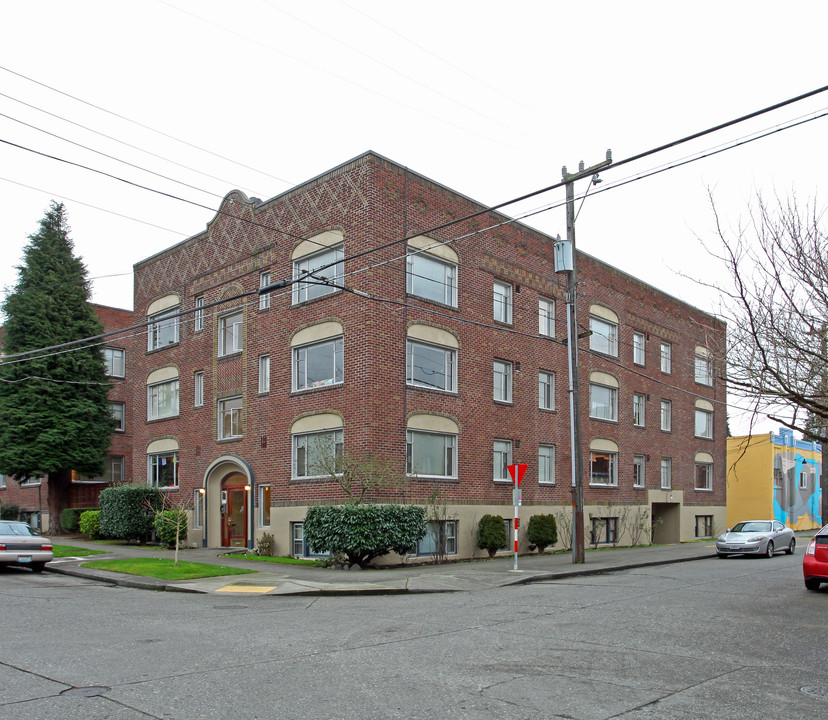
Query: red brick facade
[[372, 204]]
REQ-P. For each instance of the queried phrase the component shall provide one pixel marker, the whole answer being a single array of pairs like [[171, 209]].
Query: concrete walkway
[[279, 579]]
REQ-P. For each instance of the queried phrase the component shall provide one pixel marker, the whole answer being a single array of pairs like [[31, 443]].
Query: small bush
[[9, 511], [70, 518], [542, 531], [90, 524], [265, 545], [128, 511], [491, 534], [169, 524]]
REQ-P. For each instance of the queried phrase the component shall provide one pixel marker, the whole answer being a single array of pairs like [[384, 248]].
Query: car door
[[779, 535]]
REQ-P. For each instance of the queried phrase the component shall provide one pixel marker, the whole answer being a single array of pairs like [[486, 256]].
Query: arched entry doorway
[[234, 496]]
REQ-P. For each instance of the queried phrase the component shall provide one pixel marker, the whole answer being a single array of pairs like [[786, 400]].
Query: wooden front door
[[234, 511]]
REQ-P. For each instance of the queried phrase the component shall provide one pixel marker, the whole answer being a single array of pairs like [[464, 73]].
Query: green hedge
[[168, 524], [90, 524], [70, 518], [491, 534], [128, 511], [9, 511]]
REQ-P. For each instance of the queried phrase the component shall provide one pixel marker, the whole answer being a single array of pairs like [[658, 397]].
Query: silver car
[[756, 537], [20, 545]]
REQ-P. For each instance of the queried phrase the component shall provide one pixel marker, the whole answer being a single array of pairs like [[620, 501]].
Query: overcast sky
[[488, 98]]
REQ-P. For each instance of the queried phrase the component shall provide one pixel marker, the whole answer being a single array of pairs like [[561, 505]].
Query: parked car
[[756, 537], [20, 545], [815, 561]]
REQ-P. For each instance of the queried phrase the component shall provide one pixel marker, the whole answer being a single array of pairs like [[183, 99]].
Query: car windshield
[[751, 527], [14, 528]]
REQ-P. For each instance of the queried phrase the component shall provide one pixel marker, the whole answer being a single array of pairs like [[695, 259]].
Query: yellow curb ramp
[[260, 589]]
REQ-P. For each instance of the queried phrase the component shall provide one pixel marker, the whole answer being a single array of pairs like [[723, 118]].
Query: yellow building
[[774, 476]]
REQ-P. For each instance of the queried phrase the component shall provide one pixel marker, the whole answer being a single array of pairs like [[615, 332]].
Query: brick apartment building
[[440, 350], [31, 496]]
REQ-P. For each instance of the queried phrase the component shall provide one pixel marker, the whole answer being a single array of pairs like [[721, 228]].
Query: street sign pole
[[516, 471]]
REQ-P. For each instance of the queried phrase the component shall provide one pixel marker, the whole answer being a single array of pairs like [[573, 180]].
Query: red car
[[815, 562]]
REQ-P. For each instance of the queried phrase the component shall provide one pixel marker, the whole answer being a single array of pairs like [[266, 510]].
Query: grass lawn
[[164, 568], [72, 551], [283, 560]]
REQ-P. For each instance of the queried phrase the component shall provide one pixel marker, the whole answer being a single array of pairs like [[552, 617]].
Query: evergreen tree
[[54, 410]]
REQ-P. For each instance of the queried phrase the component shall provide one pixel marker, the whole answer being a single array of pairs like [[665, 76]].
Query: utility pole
[[572, 342]]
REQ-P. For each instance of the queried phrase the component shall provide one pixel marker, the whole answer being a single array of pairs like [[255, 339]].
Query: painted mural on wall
[[797, 497]]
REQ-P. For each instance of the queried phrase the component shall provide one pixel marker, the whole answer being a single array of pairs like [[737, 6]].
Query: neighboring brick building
[[31, 496], [444, 353]]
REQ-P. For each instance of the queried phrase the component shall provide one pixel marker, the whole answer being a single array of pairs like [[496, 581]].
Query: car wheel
[[38, 567], [721, 556], [812, 584], [791, 547], [769, 550]]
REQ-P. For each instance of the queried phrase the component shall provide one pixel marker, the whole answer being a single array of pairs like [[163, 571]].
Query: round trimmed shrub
[[542, 531], [491, 534]]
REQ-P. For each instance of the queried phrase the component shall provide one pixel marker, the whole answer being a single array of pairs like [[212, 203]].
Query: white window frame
[[703, 423], [449, 454], [666, 358], [707, 469], [231, 333], [198, 388], [155, 461], [300, 364], [502, 302], [439, 533], [198, 319], [666, 473], [604, 336], [546, 390], [666, 416], [115, 360], [198, 508], [639, 409], [297, 537], [640, 462], [264, 298], [502, 381], [154, 392], [118, 412], [163, 326], [306, 265], [703, 370], [423, 271], [639, 348], [449, 365], [501, 459], [612, 469], [264, 504], [546, 464], [596, 403], [230, 418], [264, 374], [307, 445], [546, 317]]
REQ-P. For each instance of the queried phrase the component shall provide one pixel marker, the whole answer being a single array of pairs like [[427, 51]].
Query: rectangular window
[[115, 361], [666, 358], [431, 366], [116, 409], [264, 298], [198, 319], [317, 454], [546, 317], [502, 381], [264, 506], [198, 508], [439, 540], [331, 269], [32, 481], [602, 468], [638, 471], [502, 302], [231, 333], [230, 418], [502, 458], [546, 390], [639, 404], [704, 526], [163, 470], [430, 278], [603, 402], [163, 329], [264, 374], [317, 365], [162, 400], [703, 370], [2, 482], [803, 480], [198, 388], [604, 337], [666, 415], [113, 472], [604, 531], [777, 477], [704, 476], [704, 423], [431, 454], [666, 474], [298, 545], [639, 340], [546, 465]]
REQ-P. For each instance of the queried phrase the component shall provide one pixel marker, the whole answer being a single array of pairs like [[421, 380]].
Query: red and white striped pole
[[516, 471]]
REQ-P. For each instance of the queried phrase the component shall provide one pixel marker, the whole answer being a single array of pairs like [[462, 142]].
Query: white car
[[20, 545], [756, 537]]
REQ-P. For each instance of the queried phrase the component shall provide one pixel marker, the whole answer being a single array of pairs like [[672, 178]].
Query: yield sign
[[516, 471]]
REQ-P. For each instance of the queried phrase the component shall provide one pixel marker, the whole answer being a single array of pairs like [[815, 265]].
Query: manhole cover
[[91, 691], [820, 691]]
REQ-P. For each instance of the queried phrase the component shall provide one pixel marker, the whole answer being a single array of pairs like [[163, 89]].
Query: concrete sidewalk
[[279, 579]]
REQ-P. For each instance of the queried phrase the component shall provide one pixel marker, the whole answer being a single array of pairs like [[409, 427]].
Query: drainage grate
[[820, 691], [91, 691]]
